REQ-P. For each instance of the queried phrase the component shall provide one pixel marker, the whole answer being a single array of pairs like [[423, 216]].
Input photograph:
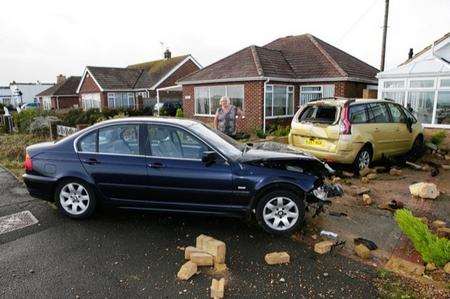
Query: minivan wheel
[[363, 159], [75, 199], [417, 149], [280, 212]]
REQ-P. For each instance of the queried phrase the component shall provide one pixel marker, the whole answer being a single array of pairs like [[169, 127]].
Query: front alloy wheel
[[280, 212], [75, 200]]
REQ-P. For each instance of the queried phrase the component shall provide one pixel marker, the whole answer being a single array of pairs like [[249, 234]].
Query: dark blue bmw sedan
[[176, 165]]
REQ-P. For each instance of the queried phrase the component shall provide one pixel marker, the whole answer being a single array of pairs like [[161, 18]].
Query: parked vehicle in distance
[[355, 131], [177, 165], [169, 108], [30, 106]]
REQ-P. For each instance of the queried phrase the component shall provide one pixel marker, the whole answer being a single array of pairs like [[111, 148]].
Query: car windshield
[[225, 144], [319, 114]]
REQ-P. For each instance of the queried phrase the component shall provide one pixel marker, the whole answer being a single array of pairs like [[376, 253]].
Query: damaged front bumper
[[319, 197]]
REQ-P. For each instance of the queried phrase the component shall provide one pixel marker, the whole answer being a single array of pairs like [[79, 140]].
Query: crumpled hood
[[276, 155], [273, 150]]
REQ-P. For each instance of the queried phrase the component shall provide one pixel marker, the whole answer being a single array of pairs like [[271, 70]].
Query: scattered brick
[[274, 258], [438, 223], [189, 250], [202, 258], [362, 251], [201, 241], [216, 248], [402, 266], [323, 247], [424, 190], [187, 270], [218, 288], [395, 172], [367, 200], [372, 176], [443, 232]]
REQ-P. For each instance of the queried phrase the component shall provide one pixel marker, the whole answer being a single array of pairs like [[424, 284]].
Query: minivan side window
[[409, 115], [88, 143], [358, 114], [378, 113], [119, 139], [397, 114]]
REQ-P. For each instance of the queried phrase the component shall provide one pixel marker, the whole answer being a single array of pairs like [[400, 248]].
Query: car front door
[[113, 156], [176, 175]]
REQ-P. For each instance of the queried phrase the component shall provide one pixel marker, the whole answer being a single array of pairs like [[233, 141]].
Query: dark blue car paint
[[225, 187]]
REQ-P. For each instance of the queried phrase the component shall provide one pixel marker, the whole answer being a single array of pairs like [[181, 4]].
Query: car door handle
[[155, 165], [91, 161]]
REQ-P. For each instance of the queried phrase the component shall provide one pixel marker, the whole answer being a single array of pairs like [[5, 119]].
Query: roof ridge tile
[[313, 39], [256, 60]]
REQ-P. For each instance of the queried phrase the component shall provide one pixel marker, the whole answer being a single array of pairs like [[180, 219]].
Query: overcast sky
[[40, 39]]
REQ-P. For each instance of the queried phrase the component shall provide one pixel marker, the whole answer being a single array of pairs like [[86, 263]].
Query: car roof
[[168, 120], [342, 101]]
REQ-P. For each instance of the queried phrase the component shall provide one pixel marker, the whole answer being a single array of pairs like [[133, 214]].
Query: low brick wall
[[428, 132]]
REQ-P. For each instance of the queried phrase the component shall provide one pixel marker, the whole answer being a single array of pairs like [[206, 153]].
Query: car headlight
[[320, 193]]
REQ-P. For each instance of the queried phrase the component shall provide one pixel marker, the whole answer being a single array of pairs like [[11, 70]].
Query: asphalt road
[[122, 254]]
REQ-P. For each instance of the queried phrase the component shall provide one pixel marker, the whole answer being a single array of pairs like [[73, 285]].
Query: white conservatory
[[422, 84]]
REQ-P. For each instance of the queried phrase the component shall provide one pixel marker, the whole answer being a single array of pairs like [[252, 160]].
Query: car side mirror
[[209, 157]]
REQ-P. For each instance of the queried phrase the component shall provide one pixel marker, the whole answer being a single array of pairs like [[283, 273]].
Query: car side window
[[409, 115], [378, 113], [358, 114], [119, 139], [397, 115], [88, 143], [172, 142]]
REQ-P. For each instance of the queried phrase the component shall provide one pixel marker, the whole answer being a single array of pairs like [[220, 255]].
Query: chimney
[[167, 54], [410, 53], [60, 79]]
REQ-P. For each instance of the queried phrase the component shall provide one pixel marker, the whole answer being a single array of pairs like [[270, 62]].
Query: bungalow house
[[62, 95], [5, 95], [24, 93], [135, 86], [422, 83], [270, 82]]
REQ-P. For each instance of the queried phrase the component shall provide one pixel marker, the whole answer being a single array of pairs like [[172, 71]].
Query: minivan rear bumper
[[340, 156]]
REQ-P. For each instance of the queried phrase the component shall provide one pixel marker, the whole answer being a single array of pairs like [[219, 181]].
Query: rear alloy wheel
[[280, 212], [75, 199], [363, 159]]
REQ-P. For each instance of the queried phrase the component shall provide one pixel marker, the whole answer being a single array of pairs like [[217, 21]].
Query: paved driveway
[[121, 254]]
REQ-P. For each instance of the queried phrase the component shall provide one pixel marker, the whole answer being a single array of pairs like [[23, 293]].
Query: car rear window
[[358, 114], [319, 114]]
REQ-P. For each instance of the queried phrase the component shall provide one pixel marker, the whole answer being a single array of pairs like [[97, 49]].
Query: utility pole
[[383, 42]]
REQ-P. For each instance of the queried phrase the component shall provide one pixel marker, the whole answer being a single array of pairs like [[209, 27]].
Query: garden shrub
[[179, 113], [41, 125], [438, 137], [431, 247], [260, 134]]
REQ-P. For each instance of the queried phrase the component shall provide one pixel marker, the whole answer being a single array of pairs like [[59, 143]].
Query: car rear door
[[317, 128], [381, 129], [113, 156], [403, 136], [176, 175]]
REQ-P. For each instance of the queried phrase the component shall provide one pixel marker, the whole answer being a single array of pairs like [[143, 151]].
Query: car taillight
[[28, 164], [346, 126]]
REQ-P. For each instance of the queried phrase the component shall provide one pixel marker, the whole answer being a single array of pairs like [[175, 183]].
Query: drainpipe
[[157, 99], [264, 106]]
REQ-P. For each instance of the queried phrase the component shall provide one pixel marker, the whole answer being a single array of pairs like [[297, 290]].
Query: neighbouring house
[[136, 86], [62, 95], [269, 83], [23, 93], [422, 83], [5, 95]]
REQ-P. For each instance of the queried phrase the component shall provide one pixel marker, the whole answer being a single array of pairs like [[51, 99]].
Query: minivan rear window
[[318, 114]]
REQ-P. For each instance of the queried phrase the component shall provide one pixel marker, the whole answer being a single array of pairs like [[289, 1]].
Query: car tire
[[75, 199], [280, 212], [417, 149], [363, 159]]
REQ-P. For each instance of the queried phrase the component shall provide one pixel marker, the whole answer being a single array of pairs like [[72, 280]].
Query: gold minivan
[[355, 131]]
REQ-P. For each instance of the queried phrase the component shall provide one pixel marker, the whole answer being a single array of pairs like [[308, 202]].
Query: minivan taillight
[[28, 164], [346, 126]]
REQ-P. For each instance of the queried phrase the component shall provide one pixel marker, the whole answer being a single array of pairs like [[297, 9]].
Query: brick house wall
[[65, 102], [254, 101], [187, 68]]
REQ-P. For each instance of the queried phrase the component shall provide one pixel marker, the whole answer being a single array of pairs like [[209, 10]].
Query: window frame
[[287, 92], [208, 87], [148, 149]]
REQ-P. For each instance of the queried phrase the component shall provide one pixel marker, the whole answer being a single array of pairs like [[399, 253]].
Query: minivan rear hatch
[[316, 127]]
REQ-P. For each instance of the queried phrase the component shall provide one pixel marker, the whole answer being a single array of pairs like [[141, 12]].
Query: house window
[[315, 92], [396, 96], [421, 83], [422, 104], [207, 98], [121, 100], [47, 103], [143, 94], [394, 84], [443, 107], [279, 100], [90, 101], [445, 83]]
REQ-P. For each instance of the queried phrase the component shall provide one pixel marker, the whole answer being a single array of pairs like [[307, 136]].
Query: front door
[[112, 156], [176, 174]]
